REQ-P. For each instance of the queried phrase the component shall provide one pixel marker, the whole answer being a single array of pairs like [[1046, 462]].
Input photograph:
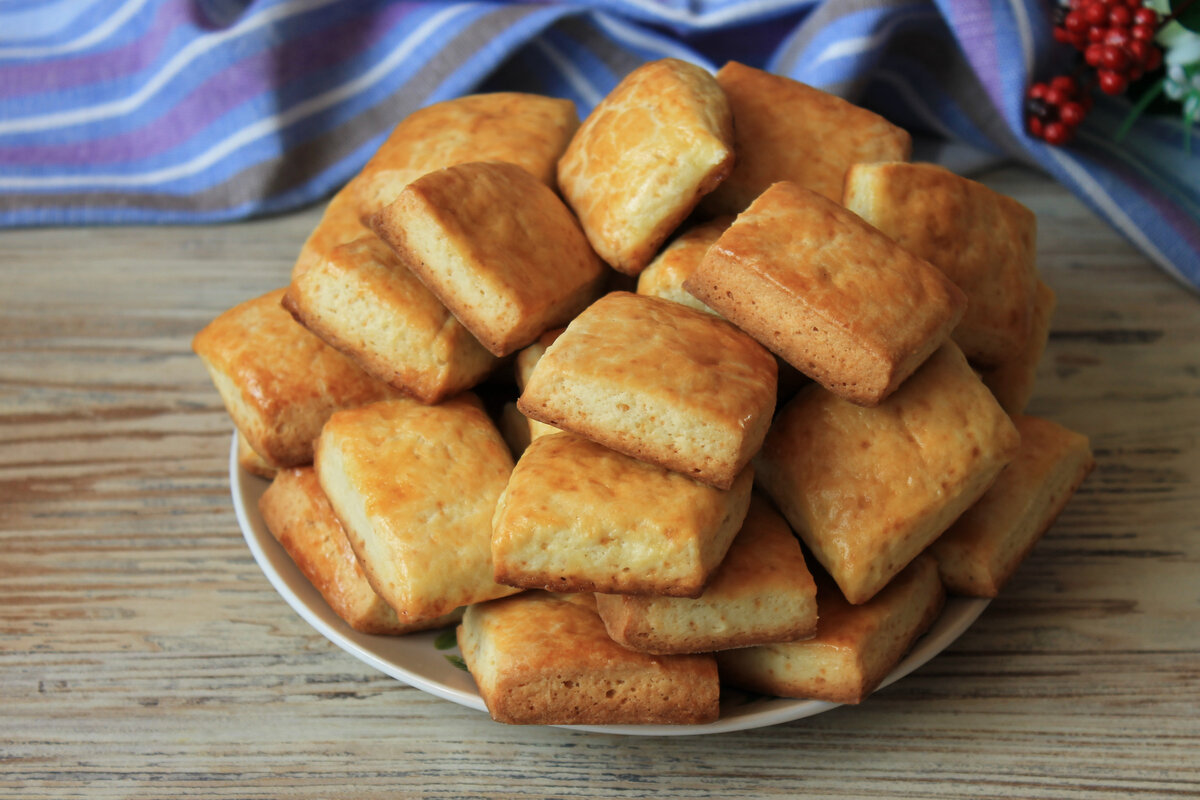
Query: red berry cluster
[[1116, 38], [1056, 108]]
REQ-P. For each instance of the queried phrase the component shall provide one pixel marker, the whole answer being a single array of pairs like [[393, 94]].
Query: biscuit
[[855, 648], [661, 140], [545, 659], [867, 489], [497, 247], [278, 381], [524, 363], [364, 302], [665, 275], [834, 297], [984, 547], [983, 241], [414, 487], [298, 515], [338, 225], [528, 130], [658, 382], [251, 461], [578, 517], [762, 592], [1012, 381], [514, 427], [785, 130]]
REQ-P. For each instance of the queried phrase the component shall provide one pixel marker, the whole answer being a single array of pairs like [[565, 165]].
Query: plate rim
[[958, 615]]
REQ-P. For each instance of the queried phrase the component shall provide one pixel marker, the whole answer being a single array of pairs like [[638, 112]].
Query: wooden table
[[143, 654]]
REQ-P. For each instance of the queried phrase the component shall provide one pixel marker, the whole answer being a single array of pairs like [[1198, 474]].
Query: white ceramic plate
[[415, 660]]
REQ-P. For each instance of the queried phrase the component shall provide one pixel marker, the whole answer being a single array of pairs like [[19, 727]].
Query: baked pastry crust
[[528, 130], [983, 241], [278, 381], [251, 461], [762, 592], [363, 301], [785, 130], [497, 247], [414, 487], [868, 489], [984, 547], [545, 659], [524, 363], [1012, 380], [338, 225], [855, 647], [641, 161], [665, 275], [658, 382], [831, 295], [578, 517], [301, 519]]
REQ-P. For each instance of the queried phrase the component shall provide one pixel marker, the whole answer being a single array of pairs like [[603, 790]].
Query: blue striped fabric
[[135, 111]]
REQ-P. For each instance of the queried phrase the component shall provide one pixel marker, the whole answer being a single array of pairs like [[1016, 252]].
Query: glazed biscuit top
[[277, 362], [683, 358], [839, 267], [786, 130]]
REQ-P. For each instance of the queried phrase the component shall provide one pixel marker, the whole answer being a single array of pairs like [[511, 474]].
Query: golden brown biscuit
[[514, 427], [658, 382], [544, 659], [339, 224], [578, 517], [785, 130], [525, 361], [984, 241], [834, 297], [364, 302], [278, 381], [497, 247], [1012, 381], [415, 487], [298, 515], [665, 275], [762, 592], [855, 648], [661, 140], [867, 489], [984, 547], [528, 130], [251, 461]]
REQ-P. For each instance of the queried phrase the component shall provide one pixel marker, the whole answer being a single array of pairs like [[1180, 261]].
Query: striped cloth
[[136, 111]]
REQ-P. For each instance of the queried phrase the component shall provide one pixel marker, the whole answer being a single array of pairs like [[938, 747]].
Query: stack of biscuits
[[763, 468]]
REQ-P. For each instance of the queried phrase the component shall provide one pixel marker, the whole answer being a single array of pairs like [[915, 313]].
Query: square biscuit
[[361, 299], [545, 659], [641, 161], [578, 517], [414, 487], [855, 647], [665, 275], [300, 518], [523, 366], [528, 130], [339, 224], [762, 592], [785, 130], [278, 381], [983, 241], [497, 247], [251, 461], [984, 547], [658, 382], [868, 489], [831, 295], [1012, 380]]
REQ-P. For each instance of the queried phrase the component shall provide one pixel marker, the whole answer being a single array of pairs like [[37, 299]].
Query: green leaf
[[446, 639], [457, 661], [1187, 14]]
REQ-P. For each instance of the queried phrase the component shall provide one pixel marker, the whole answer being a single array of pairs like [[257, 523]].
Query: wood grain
[[143, 654]]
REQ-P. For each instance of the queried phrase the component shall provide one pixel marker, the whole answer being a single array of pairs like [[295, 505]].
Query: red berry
[[1079, 40], [1071, 114], [1145, 16], [1096, 34], [1118, 36], [1056, 133], [1120, 16], [1153, 59], [1115, 58], [1139, 51], [1095, 14], [1111, 82], [1036, 127], [1065, 84], [1093, 54], [1075, 22], [1143, 32], [1038, 90], [1062, 36], [1055, 97]]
